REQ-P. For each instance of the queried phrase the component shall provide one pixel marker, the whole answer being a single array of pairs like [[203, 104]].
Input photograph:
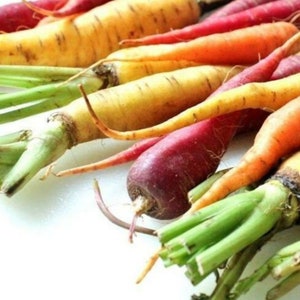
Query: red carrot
[[288, 66], [70, 7], [264, 13], [125, 156], [18, 16], [236, 6]]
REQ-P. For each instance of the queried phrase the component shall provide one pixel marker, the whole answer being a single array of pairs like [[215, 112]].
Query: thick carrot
[[119, 72], [274, 11], [81, 41], [220, 48], [122, 108], [274, 140], [17, 16], [237, 95]]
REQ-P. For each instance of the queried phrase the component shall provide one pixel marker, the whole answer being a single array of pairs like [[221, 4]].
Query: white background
[[56, 244]]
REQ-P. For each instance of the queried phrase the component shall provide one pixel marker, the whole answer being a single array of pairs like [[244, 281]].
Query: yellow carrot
[[84, 39], [269, 96], [119, 72]]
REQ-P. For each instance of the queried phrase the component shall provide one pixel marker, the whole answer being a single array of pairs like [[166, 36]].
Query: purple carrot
[[264, 13], [18, 16]]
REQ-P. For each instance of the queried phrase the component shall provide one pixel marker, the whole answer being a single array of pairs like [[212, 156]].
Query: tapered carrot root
[[281, 10], [275, 139], [236, 6], [263, 95], [83, 40], [253, 43]]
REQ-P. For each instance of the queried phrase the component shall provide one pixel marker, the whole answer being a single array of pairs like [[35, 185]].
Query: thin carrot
[[235, 6], [125, 156], [274, 140], [82, 40], [288, 66], [281, 10], [220, 48], [269, 95]]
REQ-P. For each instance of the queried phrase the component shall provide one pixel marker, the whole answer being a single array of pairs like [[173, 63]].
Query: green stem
[[30, 76], [284, 287], [263, 219], [47, 89], [42, 148]]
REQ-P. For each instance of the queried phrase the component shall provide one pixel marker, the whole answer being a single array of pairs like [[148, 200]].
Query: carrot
[[69, 8], [264, 13], [17, 16], [125, 156], [119, 72], [121, 107], [95, 33], [235, 6], [237, 95], [220, 48], [274, 140], [288, 66]]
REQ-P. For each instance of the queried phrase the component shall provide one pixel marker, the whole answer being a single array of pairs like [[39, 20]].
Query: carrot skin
[[94, 34], [235, 6], [164, 173], [122, 157], [253, 42], [274, 140], [265, 13], [77, 6], [18, 16], [288, 66]]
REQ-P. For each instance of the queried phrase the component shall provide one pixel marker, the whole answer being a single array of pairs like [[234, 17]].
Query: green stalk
[[284, 264], [30, 76], [250, 215], [45, 147], [42, 89]]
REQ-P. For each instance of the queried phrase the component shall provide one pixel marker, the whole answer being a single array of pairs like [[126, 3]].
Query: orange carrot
[[240, 46], [277, 138]]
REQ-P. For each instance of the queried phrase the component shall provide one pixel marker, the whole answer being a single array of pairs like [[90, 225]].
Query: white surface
[[55, 243]]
